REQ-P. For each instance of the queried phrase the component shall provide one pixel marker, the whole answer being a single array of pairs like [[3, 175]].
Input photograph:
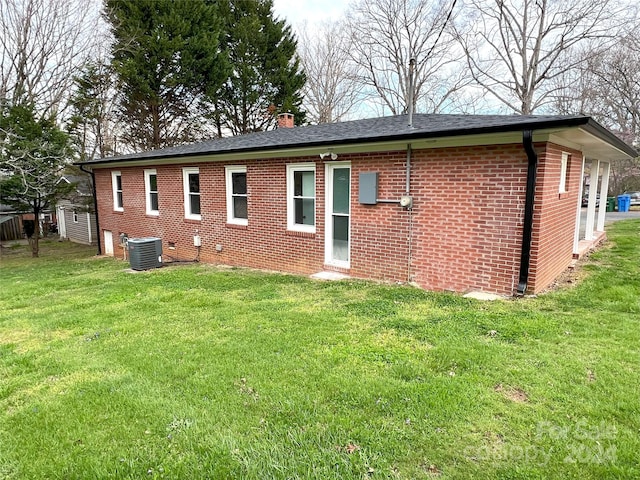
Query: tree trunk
[[34, 242]]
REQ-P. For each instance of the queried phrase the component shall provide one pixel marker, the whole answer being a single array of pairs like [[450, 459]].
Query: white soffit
[[590, 145]]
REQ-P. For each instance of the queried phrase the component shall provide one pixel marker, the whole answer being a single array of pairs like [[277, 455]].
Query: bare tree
[[575, 91], [332, 90], [607, 87], [41, 43], [386, 34], [515, 49], [616, 87]]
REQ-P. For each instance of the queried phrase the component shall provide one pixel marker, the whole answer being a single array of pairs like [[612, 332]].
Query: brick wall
[[263, 243], [554, 216], [468, 217], [463, 233], [379, 240]]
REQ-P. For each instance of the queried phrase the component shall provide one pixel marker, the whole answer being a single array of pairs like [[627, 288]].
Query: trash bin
[[611, 204], [624, 201]]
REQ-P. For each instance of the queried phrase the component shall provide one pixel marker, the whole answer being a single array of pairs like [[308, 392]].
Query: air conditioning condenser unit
[[145, 253]]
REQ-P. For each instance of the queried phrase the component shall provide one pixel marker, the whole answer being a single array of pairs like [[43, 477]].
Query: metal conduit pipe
[[410, 213], [408, 179]]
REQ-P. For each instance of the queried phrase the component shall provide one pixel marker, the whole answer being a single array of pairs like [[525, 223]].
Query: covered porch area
[[590, 223]]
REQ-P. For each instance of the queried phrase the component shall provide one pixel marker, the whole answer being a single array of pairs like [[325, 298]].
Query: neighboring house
[[76, 219], [444, 203]]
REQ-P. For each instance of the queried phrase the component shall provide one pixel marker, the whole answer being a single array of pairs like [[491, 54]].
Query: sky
[[296, 11]]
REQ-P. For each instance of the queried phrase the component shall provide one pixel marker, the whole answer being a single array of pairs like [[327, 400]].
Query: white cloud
[[297, 11]]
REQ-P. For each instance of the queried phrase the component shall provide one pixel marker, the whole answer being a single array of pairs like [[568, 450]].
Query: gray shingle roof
[[83, 183], [376, 129]]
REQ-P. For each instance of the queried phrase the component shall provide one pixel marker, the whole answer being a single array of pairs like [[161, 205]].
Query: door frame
[[328, 237], [108, 242]]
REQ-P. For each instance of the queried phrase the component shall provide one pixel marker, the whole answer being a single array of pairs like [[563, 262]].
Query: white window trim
[[564, 161], [185, 187], [74, 215], [147, 190], [291, 218], [114, 185], [229, 171]]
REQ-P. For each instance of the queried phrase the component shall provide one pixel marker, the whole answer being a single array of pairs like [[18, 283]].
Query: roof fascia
[[554, 134]]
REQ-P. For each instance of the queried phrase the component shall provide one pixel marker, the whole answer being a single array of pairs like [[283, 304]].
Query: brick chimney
[[285, 120]]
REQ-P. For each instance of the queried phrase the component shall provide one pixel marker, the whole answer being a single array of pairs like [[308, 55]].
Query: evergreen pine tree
[[168, 60], [266, 78]]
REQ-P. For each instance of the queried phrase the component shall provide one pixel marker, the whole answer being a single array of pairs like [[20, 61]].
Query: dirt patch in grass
[[514, 394], [571, 277], [575, 273]]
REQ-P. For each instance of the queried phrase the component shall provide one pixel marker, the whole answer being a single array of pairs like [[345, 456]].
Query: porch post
[[576, 233], [604, 190], [593, 195]]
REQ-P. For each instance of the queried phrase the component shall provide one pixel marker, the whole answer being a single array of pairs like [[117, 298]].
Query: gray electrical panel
[[368, 188], [145, 253]]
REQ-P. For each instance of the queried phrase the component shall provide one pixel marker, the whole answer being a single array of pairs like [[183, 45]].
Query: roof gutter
[[95, 203], [527, 229]]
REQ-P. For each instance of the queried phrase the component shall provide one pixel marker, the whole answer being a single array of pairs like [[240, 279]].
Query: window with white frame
[[151, 191], [237, 205], [75, 216], [116, 183], [191, 186], [301, 197], [564, 173]]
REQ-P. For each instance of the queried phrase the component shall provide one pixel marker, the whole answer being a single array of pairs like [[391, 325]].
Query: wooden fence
[[10, 228]]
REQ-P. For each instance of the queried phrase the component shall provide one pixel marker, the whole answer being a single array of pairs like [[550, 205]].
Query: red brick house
[[452, 202]]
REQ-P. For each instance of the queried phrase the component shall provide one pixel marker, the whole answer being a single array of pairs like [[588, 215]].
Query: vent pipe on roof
[[412, 66]]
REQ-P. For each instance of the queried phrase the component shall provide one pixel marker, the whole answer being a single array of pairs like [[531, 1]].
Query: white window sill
[[238, 221], [301, 229]]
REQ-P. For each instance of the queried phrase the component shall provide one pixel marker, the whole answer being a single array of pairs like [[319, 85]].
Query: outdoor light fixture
[[333, 156]]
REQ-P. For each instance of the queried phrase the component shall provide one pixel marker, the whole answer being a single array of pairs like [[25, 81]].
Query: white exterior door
[[108, 243], [338, 208]]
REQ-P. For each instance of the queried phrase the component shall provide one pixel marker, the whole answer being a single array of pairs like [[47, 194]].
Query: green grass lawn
[[190, 372]]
